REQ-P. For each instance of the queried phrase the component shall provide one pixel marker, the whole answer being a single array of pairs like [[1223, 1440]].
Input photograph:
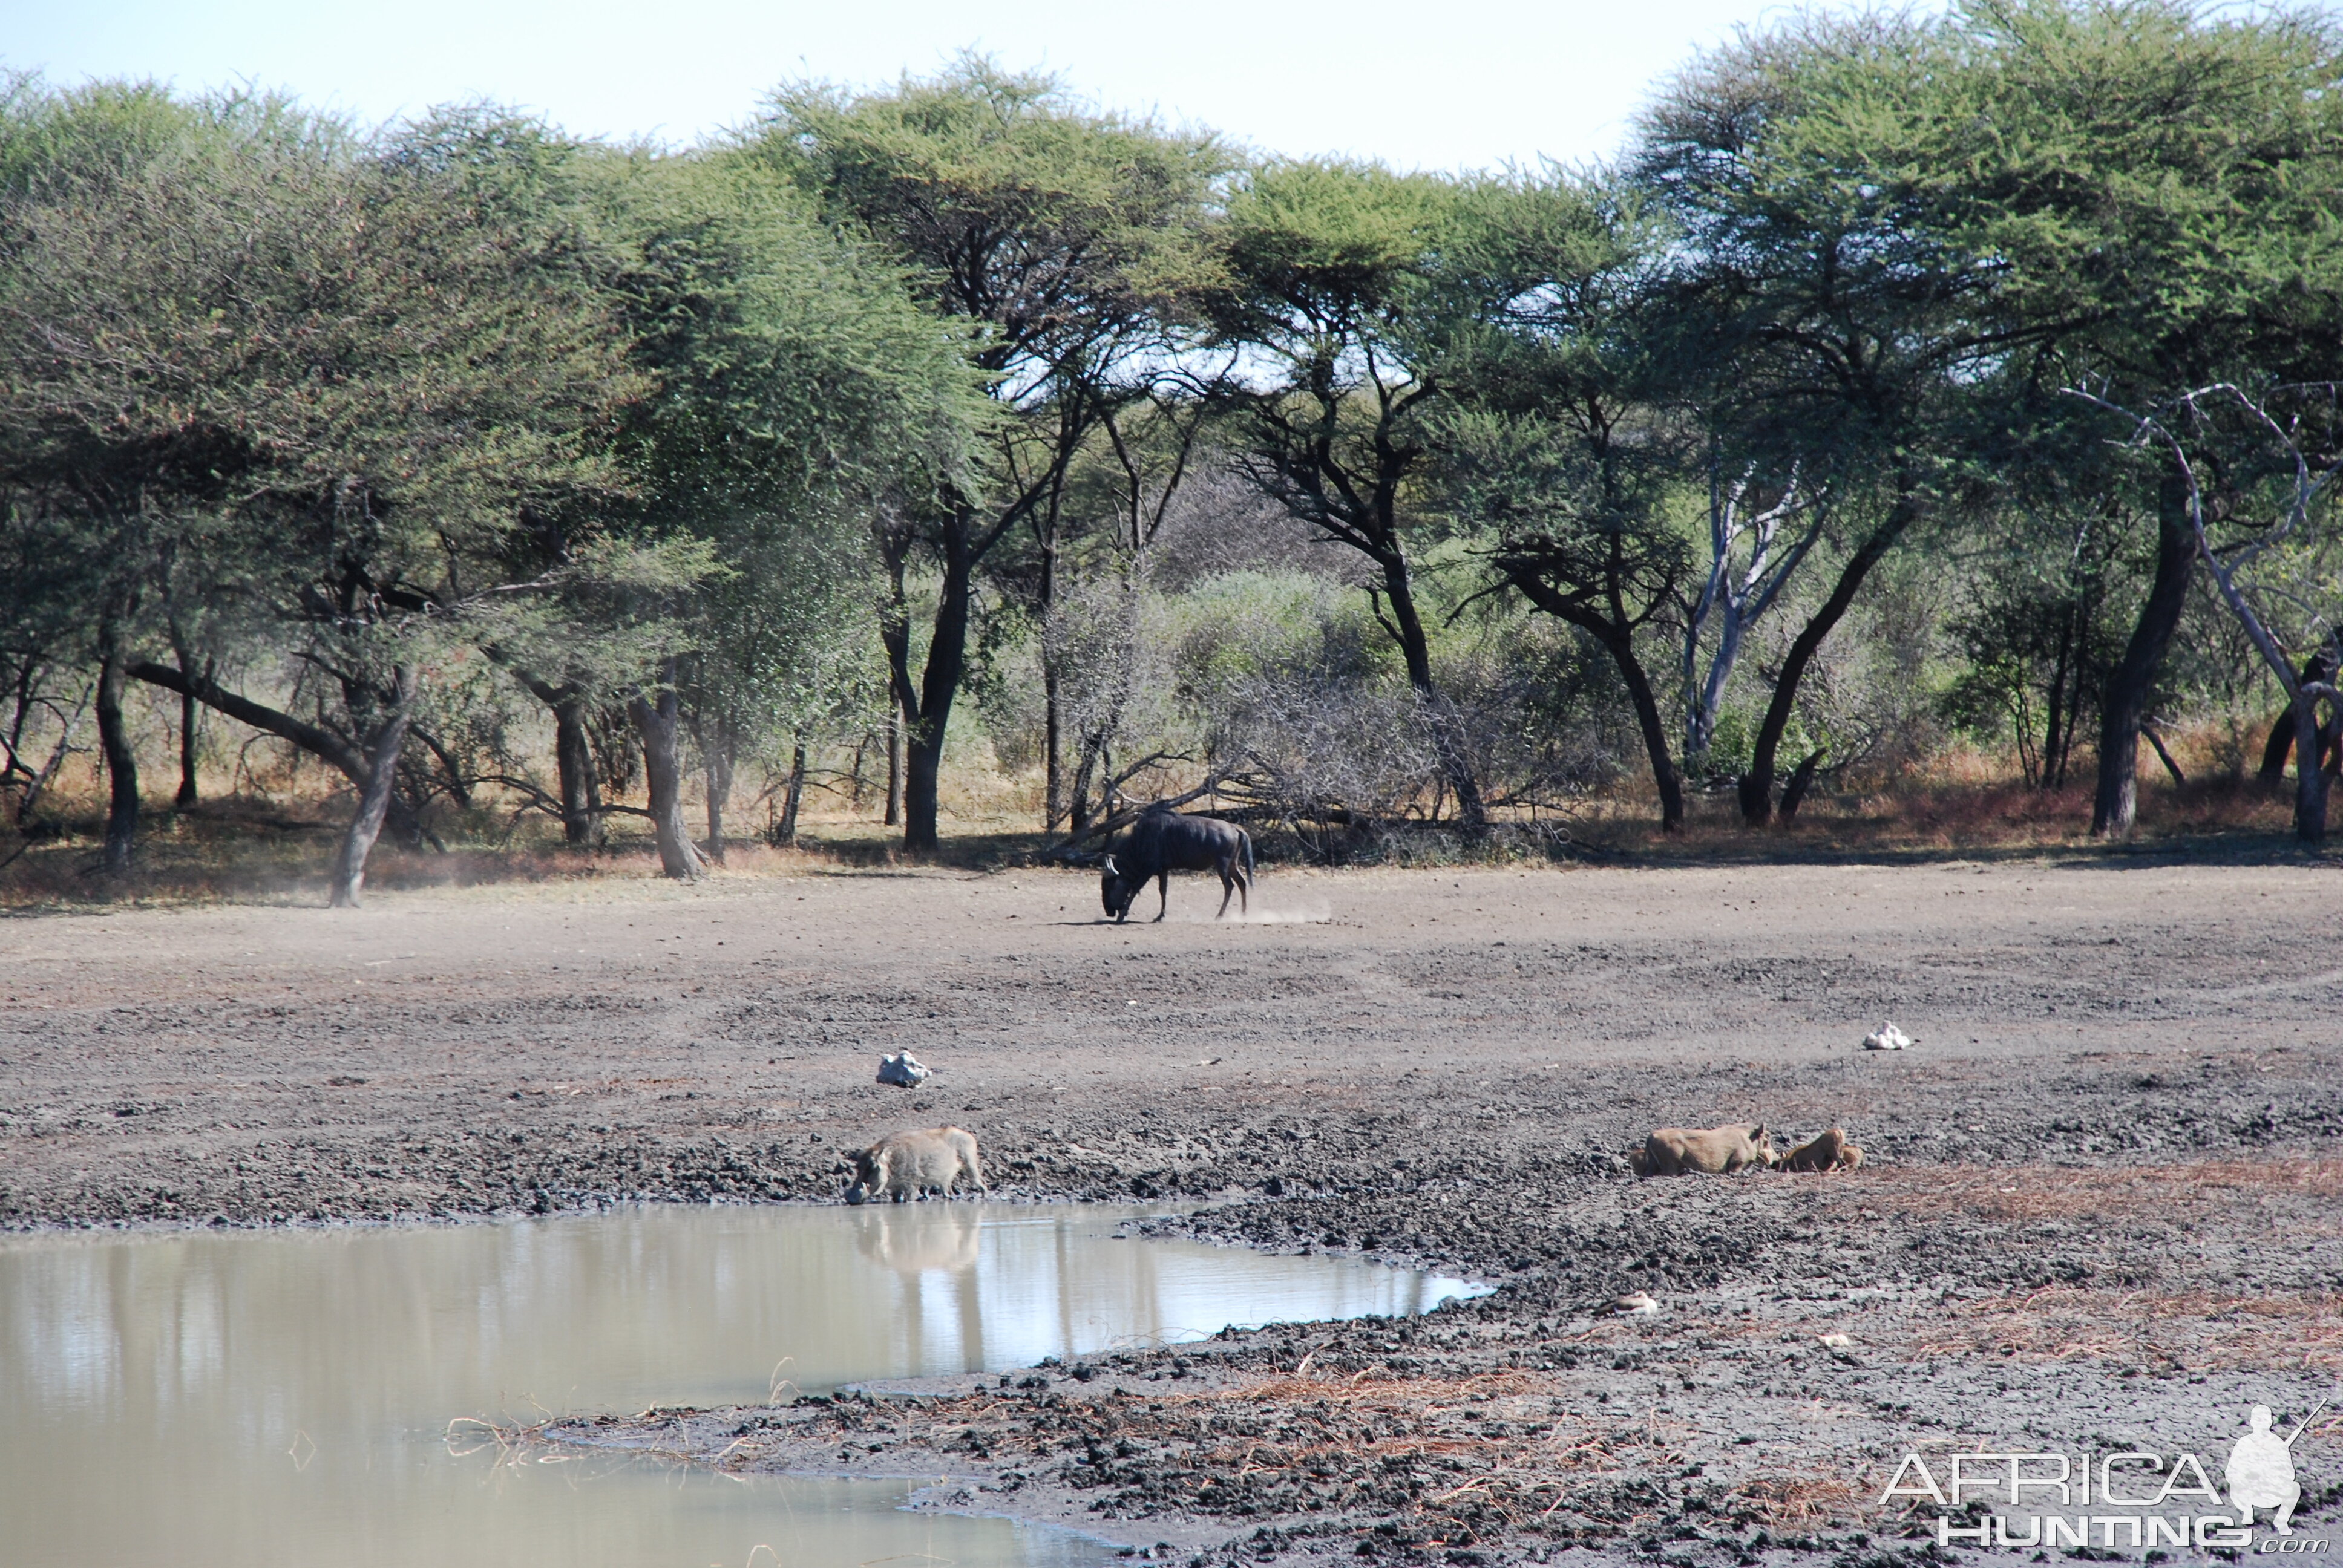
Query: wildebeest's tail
[[1244, 842]]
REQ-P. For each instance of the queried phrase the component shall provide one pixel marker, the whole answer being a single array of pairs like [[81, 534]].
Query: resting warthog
[[1703, 1151], [905, 1164], [1828, 1151], [1164, 841]]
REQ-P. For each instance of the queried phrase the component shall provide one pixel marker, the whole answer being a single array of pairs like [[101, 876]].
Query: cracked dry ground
[[2102, 1209]]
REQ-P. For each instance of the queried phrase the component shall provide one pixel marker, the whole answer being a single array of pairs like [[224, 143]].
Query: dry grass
[[1937, 815], [265, 851], [1794, 1500], [276, 846], [2020, 1193], [2188, 1332]]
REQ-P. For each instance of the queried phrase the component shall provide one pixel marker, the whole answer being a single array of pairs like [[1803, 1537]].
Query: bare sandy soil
[[2102, 1207]]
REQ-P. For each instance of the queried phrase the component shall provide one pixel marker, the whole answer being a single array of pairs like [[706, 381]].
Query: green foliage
[[316, 406], [1047, 228]]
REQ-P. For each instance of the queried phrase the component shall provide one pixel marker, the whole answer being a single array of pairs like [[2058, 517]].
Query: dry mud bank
[[2103, 1208]]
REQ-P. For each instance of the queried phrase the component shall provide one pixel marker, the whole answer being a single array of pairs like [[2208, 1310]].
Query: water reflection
[[256, 1399]]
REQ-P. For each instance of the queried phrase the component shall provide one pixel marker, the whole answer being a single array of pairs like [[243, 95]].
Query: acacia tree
[[1561, 439], [1331, 294], [2148, 189], [1060, 243], [1818, 294], [2257, 467], [98, 486], [793, 383], [320, 382]]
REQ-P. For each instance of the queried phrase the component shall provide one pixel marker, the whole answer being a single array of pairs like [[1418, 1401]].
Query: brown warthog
[[907, 1164], [1705, 1151], [1828, 1151]]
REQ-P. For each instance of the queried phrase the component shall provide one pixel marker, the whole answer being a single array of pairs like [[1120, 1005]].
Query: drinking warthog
[[1164, 841], [906, 1164]]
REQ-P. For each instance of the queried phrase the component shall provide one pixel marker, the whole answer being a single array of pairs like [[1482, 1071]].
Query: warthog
[[1828, 1151], [1703, 1151], [906, 1164], [1164, 841]]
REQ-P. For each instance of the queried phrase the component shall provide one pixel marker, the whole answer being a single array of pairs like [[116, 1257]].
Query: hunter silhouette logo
[[2261, 1470], [2162, 1504]]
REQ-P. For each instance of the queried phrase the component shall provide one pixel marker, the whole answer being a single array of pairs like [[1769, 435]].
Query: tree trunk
[[1078, 805], [1802, 779], [656, 725], [573, 759], [785, 833], [2052, 728], [1053, 787], [720, 795], [2309, 775], [2074, 693], [121, 760], [1664, 776], [1407, 628], [894, 766], [2115, 804], [323, 744], [1757, 784], [938, 686], [1053, 804], [2318, 666], [923, 763], [2276, 749], [348, 886], [2180, 779], [188, 708]]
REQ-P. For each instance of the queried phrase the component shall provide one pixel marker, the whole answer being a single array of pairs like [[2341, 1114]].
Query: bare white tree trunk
[[1736, 597]]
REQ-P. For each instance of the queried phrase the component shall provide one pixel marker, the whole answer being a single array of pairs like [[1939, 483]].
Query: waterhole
[[250, 1399]]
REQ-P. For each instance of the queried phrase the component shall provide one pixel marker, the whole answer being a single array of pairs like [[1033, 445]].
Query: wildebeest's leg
[[1228, 885], [1163, 893]]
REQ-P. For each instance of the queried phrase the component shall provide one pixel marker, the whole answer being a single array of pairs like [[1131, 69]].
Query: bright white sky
[[1435, 84]]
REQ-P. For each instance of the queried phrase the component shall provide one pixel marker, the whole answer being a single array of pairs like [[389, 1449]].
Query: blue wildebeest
[[1164, 841]]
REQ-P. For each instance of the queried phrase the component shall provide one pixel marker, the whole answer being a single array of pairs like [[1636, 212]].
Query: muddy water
[[250, 1399]]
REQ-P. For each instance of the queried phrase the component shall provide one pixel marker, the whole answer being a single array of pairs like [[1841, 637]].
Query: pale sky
[[1437, 84]]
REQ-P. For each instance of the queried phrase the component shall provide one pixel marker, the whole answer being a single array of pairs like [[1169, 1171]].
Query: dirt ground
[[2102, 1207]]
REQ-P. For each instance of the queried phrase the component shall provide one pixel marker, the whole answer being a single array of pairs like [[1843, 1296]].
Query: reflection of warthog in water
[[923, 1240], [906, 1164]]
